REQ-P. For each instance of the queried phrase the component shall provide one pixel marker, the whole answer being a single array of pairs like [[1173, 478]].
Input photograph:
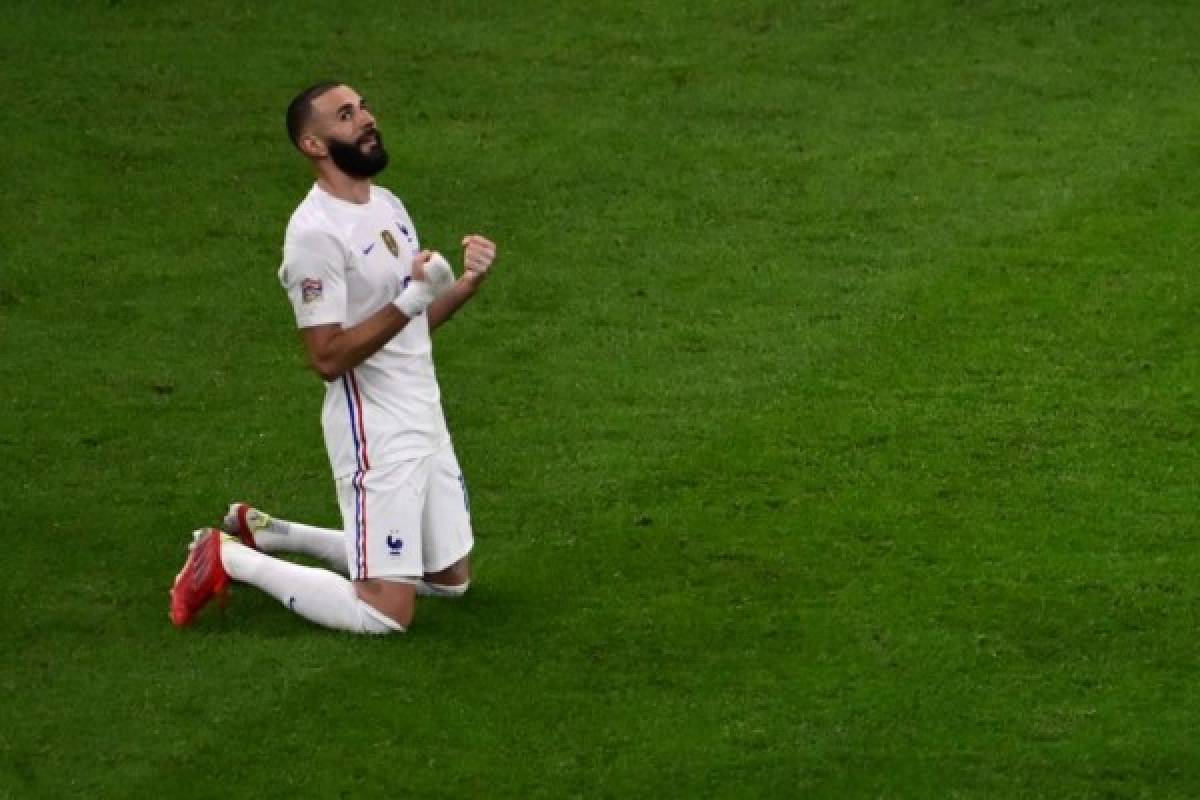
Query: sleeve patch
[[311, 290]]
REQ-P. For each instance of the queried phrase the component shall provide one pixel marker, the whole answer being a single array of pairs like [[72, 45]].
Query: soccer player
[[366, 299]]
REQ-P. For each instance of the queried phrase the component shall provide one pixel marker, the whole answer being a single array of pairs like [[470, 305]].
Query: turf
[[830, 418]]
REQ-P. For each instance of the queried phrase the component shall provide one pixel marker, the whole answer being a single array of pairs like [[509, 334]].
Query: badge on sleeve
[[311, 290]]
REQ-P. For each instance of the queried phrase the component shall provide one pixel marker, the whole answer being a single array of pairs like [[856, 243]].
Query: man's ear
[[312, 146]]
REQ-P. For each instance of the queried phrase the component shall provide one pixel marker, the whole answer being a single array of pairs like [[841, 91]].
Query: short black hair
[[300, 110]]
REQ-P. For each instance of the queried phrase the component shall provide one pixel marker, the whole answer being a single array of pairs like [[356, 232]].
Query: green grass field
[[830, 417]]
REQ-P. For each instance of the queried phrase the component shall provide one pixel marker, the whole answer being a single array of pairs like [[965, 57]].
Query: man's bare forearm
[[334, 350], [454, 298]]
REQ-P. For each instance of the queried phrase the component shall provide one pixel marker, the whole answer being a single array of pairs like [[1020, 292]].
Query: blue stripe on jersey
[[353, 422]]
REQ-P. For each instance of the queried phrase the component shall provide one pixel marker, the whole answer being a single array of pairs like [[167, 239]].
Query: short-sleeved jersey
[[342, 262]]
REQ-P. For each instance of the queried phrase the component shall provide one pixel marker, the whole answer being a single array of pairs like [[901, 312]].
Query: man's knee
[[393, 600], [451, 581]]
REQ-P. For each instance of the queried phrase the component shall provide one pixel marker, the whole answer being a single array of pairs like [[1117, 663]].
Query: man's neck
[[343, 187]]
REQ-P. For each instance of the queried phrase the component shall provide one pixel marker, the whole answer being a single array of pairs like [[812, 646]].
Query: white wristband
[[415, 298]]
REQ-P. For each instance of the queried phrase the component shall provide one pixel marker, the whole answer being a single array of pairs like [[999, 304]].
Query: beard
[[359, 159]]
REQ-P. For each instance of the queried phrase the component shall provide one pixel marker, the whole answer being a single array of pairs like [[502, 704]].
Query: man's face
[[342, 121]]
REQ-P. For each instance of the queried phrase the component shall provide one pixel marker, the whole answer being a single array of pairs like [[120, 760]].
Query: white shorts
[[405, 519]]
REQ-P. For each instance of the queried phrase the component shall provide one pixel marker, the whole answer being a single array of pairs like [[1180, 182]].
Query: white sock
[[427, 589], [326, 544], [318, 595]]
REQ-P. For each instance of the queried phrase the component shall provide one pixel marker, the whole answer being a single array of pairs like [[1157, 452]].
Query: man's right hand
[[439, 274], [416, 294], [431, 276], [432, 268], [418, 264]]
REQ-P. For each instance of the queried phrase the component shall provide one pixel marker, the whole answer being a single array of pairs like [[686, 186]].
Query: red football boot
[[243, 520], [202, 578]]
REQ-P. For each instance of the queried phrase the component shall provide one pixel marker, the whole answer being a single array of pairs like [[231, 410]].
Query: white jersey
[[342, 262]]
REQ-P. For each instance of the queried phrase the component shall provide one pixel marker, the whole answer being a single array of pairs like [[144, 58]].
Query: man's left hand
[[478, 255]]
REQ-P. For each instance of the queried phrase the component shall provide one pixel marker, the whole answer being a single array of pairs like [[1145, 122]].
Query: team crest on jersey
[[390, 241], [311, 290]]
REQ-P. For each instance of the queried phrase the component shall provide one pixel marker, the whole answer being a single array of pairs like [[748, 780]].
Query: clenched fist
[[478, 255]]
